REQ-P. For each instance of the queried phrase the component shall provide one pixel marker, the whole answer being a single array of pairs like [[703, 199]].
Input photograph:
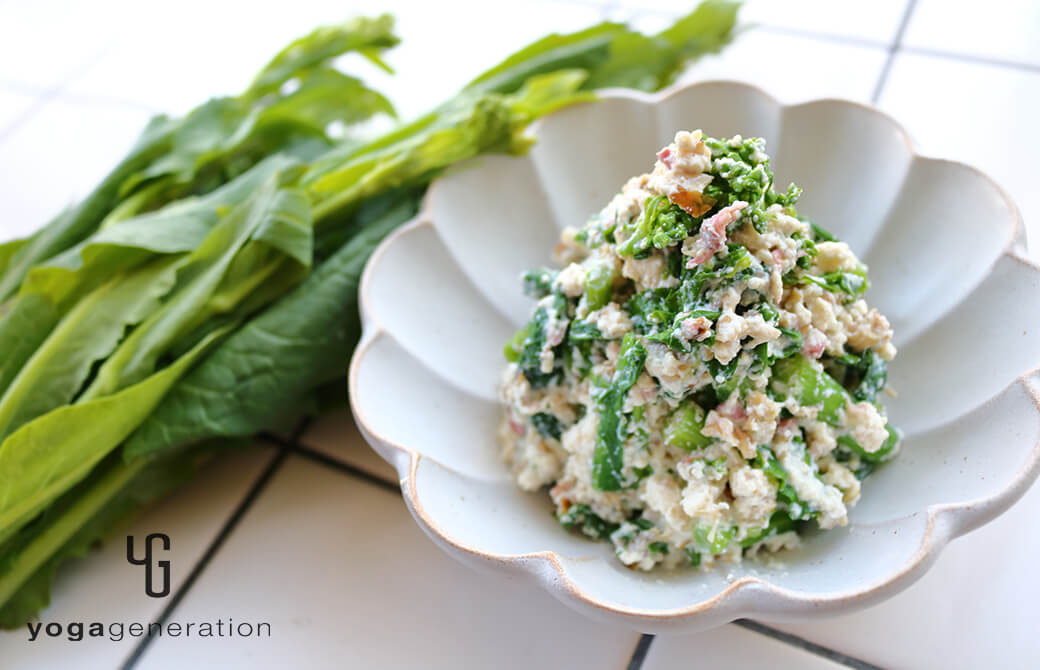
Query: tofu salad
[[700, 380]]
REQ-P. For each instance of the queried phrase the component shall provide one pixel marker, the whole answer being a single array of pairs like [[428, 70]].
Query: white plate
[[442, 295]]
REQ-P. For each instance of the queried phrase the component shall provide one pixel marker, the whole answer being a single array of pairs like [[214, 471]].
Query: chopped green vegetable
[[786, 495], [599, 284], [873, 457], [661, 224], [582, 517], [684, 428], [608, 459], [581, 331], [538, 283], [712, 538], [779, 522], [514, 348], [811, 385], [547, 425]]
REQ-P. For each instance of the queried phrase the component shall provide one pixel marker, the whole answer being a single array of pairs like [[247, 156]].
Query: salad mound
[[700, 379]]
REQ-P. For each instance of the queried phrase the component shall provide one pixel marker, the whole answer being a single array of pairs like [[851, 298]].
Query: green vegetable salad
[[701, 377]]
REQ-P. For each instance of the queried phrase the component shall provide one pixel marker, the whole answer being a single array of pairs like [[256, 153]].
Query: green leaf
[[80, 519], [258, 251], [599, 284], [661, 224], [76, 223], [530, 358], [296, 344], [178, 228], [811, 385], [779, 522], [873, 457], [586, 50], [24, 326], [8, 251], [364, 35], [47, 456], [547, 425], [582, 517], [684, 427], [713, 538], [326, 95], [470, 125], [608, 457], [87, 334], [786, 494]]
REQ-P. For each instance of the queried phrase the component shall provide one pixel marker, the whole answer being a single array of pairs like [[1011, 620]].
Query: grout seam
[[640, 652], [816, 35], [893, 49], [48, 94], [229, 526], [344, 468], [972, 58], [806, 645]]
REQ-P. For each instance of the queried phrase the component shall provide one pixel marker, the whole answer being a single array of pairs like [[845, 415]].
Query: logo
[[150, 565]]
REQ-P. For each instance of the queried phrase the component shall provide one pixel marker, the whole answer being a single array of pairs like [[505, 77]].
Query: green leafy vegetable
[[779, 522], [874, 457], [294, 346], [608, 458], [786, 495], [853, 283], [599, 284], [547, 425], [684, 428], [811, 386], [582, 517], [713, 538], [661, 224]]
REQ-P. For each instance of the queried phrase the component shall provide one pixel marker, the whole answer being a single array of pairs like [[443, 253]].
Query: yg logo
[[149, 571]]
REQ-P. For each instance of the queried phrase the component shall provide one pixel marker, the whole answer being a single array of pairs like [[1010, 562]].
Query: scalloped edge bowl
[[1004, 394]]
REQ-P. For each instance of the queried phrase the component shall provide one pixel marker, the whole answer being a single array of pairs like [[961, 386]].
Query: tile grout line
[[343, 467], [893, 49], [816, 35], [47, 95], [805, 645], [200, 565], [971, 58], [642, 648], [640, 652]]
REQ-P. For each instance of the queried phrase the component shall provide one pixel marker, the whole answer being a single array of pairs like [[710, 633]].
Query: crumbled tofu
[[657, 416]]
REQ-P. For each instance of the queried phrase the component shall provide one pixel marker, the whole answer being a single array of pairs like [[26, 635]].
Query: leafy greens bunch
[[207, 288]]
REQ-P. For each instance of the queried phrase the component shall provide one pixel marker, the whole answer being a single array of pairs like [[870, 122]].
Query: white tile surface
[[104, 588], [14, 107], [875, 21], [1005, 30], [975, 608], [336, 435], [795, 68], [46, 43], [58, 156], [730, 647], [349, 580], [983, 115]]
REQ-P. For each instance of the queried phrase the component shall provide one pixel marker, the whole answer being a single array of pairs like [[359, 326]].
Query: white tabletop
[[307, 533]]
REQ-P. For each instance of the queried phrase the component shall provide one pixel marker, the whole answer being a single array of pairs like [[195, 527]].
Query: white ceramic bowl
[[943, 243]]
